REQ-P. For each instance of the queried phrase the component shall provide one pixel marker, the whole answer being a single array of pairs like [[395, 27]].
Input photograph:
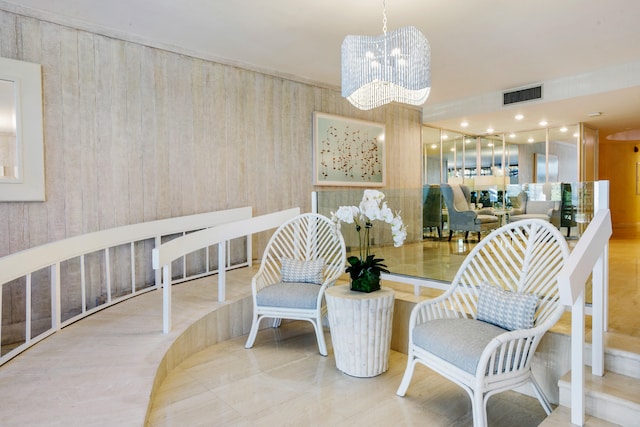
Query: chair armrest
[[516, 211], [431, 309], [514, 348], [485, 211], [465, 215]]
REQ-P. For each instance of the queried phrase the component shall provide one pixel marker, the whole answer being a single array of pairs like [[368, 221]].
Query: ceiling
[[584, 52]]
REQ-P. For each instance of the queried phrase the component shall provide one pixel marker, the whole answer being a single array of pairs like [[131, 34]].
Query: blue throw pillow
[[294, 270], [506, 309]]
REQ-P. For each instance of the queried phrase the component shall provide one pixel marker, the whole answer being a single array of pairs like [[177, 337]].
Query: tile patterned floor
[[283, 380]]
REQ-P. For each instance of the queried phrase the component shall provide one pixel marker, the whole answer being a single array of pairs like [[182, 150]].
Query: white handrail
[[164, 255], [49, 258], [13, 266], [588, 256]]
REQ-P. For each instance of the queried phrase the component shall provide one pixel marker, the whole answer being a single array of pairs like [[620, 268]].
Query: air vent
[[522, 95]]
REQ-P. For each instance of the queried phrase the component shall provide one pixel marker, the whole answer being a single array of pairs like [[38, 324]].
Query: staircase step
[[622, 354], [613, 397], [561, 417]]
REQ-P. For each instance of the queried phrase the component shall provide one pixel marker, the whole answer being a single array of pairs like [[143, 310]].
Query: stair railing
[[164, 255], [56, 270], [589, 256]]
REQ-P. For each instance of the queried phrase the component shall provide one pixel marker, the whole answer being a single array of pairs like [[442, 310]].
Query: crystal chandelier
[[390, 67]]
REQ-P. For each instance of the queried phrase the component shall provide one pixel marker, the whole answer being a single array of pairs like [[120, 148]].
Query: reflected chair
[[461, 216], [523, 208], [304, 256], [432, 208], [483, 331]]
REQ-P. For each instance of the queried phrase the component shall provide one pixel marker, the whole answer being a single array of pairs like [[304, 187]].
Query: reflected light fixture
[[394, 66]]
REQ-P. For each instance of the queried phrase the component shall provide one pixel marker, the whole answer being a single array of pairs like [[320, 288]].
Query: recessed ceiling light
[[453, 149], [575, 135], [445, 136], [519, 117], [512, 135], [563, 129], [530, 140], [490, 130], [466, 141], [543, 123], [595, 114], [490, 145], [464, 124]]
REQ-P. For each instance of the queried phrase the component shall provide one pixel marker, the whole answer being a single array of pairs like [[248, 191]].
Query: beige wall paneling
[[88, 132], [135, 134], [54, 124], [134, 131], [29, 38]]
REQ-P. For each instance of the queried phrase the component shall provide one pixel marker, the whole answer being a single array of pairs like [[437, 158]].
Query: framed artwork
[[348, 152]]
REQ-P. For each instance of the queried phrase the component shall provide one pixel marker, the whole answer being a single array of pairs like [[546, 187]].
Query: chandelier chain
[[384, 17]]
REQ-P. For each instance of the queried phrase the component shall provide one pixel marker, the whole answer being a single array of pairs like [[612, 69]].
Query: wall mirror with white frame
[[21, 132]]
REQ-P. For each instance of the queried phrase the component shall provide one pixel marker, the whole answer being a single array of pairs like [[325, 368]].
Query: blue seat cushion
[[289, 295], [458, 341]]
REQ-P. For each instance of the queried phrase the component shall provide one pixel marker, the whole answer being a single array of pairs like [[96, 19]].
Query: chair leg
[[254, 331], [478, 236], [479, 410], [406, 378], [546, 405], [450, 234], [322, 345]]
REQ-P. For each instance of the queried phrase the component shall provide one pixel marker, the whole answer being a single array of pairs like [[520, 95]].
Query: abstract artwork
[[348, 152]]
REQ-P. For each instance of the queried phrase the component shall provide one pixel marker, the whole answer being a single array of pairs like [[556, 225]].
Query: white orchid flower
[[399, 236], [375, 195], [385, 214], [346, 214]]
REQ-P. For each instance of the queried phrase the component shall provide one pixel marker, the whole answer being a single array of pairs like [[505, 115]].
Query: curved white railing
[[19, 269], [589, 256], [164, 255]]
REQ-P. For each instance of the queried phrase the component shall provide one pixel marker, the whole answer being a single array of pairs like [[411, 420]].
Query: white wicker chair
[[446, 335], [314, 254]]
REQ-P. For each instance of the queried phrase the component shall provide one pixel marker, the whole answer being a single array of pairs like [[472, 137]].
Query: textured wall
[[134, 133]]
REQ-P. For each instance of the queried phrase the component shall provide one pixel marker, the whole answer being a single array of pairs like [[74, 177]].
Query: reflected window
[[9, 160]]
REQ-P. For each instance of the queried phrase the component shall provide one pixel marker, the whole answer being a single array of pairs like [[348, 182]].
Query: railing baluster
[[577, 361], [83, 284], [222, 270], [107, 266], [158, 272], [166, 298], [28, 303], [56, 307], [184, 263], [133, 268]]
